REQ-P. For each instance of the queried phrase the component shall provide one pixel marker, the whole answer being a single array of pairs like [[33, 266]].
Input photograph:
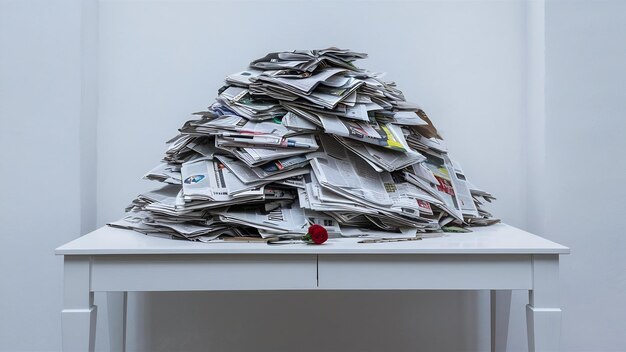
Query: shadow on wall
[[309, 321]]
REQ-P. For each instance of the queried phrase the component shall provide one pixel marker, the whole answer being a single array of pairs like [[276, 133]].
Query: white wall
[[162, 60], [40, 209], [462, 60], [477, 67], [586, 166]]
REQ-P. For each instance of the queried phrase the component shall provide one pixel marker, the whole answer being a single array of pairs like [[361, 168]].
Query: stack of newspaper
[[305, 137]]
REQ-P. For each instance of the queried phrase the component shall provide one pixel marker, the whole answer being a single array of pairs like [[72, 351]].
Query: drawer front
[[445, 272], [203, 272]]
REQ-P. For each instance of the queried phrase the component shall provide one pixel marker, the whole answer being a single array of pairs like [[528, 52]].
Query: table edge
[[256, 251]]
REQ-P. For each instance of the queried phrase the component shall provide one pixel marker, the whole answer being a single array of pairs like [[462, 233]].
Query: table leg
[[116, 309], [79, 313], [500, 313], [543, 314]]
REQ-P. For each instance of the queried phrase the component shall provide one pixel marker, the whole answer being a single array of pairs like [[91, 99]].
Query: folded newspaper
[[300, 138]]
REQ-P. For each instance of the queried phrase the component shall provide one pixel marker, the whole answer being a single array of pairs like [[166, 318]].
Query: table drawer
[[440, 271], [203, 272]]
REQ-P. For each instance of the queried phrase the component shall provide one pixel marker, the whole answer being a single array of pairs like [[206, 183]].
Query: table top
[[495, 239]]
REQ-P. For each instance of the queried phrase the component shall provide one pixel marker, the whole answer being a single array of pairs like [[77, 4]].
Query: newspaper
[[367, 132], [306, 137], [383, 158]]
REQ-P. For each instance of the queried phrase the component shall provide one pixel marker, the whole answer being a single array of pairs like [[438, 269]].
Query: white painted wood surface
[[496, 239], [543, 313], [424, 272], [78, 317], [499, 257], [195, 272], [117, 304], [500, 313]]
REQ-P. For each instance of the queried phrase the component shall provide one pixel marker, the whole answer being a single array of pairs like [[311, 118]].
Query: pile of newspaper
[[306, 137]]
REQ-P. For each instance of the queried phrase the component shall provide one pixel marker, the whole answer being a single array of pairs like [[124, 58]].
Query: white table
[[498, 257]]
